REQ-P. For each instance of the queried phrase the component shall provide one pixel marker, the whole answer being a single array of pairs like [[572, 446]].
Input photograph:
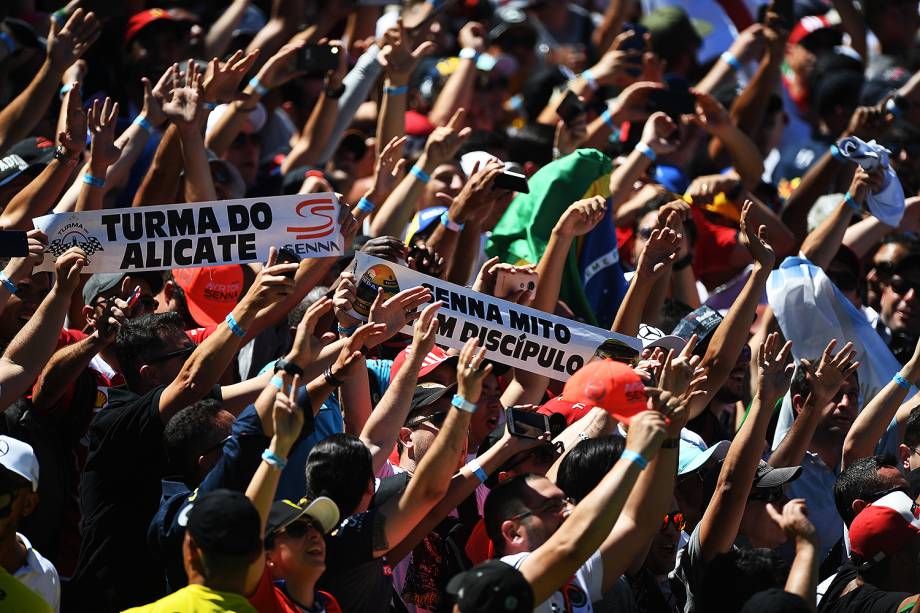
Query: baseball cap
[[256, 118], [32, 154], [435, 358], [285, 512], [223, 522], [210, 292], [509, 18], [673, 31], [141, 20], [883, 528], [694, 456], [18, 457], [425, 395], [767, 476], [815, 24], [610, 385], [101, 282], [775, 600], [653, 337], [702, 322], [491, 587], [571, 411]]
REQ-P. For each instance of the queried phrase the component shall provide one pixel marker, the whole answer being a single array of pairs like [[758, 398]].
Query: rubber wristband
[[274, 460], [588, 76], [420, 174], [255, 84], [210, 105], [8, 284], [450, 225], [477, 470], [66, 87], [631, 456], [646, 151], [9, 42], [398, 90], [468, 53], [851, 202], [94, 181], [277, 382], [607, 116], [365, 206], [141, 121], [836, 154], [897, 378], [331, 379], [463, 404], [343, 331], [234, 326], [730, 59]]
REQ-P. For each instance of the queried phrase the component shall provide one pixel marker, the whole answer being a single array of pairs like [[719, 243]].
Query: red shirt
[[269, 598], [715, 244]]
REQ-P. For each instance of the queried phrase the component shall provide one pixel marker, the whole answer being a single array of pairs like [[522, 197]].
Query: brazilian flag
[[592, 284]]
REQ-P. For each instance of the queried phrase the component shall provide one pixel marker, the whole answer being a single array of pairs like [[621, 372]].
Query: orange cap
[[612, 386], [210, 292]]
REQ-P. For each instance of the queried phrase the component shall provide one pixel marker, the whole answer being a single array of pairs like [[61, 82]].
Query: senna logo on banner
[[512, 334], [199, 234]]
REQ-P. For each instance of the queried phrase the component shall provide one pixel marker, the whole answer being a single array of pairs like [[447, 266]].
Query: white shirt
[[586, 586], [39, 575]]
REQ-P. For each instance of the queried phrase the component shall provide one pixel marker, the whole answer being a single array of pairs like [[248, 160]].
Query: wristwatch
[[62, 154], [334, 94], [289, 367]]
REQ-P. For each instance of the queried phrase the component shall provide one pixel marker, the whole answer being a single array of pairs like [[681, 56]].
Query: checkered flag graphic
[[57, 247]]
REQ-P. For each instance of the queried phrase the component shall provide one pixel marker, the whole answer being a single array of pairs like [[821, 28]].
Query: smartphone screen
[[570, 107], [526, 424]]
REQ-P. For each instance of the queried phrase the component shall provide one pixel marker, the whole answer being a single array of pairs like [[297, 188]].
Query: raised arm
[[102, 154], [714, 119], [654, 142], [803, 576], [220, 33], [457, 92]]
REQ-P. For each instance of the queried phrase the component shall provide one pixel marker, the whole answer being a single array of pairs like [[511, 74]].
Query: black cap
[[224, 522], [31, 154], [775, 600], [425, 395], [702, 322], [491, 587], [767, 476]]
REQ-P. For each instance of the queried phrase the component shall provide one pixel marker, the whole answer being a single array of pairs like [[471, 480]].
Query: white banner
[[198, 234], [512, 334]]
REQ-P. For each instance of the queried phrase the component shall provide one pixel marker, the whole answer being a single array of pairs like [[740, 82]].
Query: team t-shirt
[[575, 596], [197, 599]]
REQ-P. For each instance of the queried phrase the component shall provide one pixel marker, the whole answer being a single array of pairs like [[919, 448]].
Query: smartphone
[[570, 107], [507, 282], [526, 424], [14, 244], [785, 9], [286, 255], [318, 59], [674, 102], [512, 181], [636, 42]]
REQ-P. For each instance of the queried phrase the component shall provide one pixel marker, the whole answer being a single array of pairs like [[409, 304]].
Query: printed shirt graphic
[[578, 593]]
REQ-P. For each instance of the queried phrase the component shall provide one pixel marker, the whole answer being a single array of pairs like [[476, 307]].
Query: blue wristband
[[420, 174], [835, 153], [94, 181], [9, 285], [588, 76], [275, 460], [234, 327], [851, 202], [646, 151], [9, 42], [141, 121], [635, 458], [343, 331], [730, 59], [897, 378], [255, 84], [477, 470], [210, 105], [399, 90], [450, 225], [365, 206], [462, 403], [277, 382]]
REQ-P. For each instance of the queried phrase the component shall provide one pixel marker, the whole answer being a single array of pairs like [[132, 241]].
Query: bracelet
[[683, 262], [274, 460], [607, 116], [331, 379], [141, 121], [365, 206], [463, 404], [66, 87], [897, 378], [9, 285], [671, 443], [234, 326], [397, 90], [836, 154], [851, 202], [646, 151], [211, 105], [289, 367], [60, 16], [419, 174], [255, 84], [94, 181], [468, 53], [343, 331], [477, 470], [729, 58], [450, 225], [631, 456], [61, 154], [588, 76], [9, 42], [277, 382]]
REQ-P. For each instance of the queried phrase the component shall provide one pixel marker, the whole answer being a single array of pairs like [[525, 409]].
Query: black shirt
[[864, 599]]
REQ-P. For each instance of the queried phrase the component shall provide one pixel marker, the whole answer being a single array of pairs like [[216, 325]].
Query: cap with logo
[[31, 154], [491, 587], [285, 512], [101, 282], [610, 385], [19, 458], [883, 528], [767, 476], [703, 321], [223, 522], [210, 292]]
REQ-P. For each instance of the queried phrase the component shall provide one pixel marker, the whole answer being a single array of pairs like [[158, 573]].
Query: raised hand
[[185, 103], [387, 248], [424, 332], [473, 35], [66, 45], [704, 189], [73, 136], [344, 300], [68, 267], [632, 103], [281, 67], [657, 132], [710, 114], [302, 346], [444, 141], [612, 68], [660, 250], [672, 408], [425, 260], [756, 243], [794, 521], [478, 193], [156, 96], [115, 314], [221, 81], [101, 119], [287, 418], [647, 431], [680, 370], [582, 216], [388, 167], [396, 57], [353, 350], [471, 371], [272, 282], [866, 182], [18, 269], [394, 313], [774, 368], [569, 136], [831, 372]]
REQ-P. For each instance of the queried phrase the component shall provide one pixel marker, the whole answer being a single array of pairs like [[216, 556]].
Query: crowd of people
[[727, 190]]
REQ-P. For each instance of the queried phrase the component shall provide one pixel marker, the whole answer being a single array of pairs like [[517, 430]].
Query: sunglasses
[[676, 518], [767, 494], [436, 420], [185, 351], [247, 139], [299, 528], [216, 446], [901, 286], [552, 505], [544, 454]]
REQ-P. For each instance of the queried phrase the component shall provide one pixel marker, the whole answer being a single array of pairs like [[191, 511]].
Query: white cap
[[19, 458], [257, 117], [468, 161], [653, 337]]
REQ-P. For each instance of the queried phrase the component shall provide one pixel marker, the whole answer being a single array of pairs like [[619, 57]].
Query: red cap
[[884, 527], [572, 411], [435, 358], [211, 292], [808, 25], [417, 124], [612, 386], [141, 20]]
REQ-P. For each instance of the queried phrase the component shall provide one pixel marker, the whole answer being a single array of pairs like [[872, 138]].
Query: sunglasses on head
[[767, 494], [674, 518]]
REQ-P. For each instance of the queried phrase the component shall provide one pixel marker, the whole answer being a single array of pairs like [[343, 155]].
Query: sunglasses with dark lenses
[[185, 351], [544, 454], [300, 527], [676, 518], [901, 286], [767, 494], [436, 420], [247, 139], [551, 505]]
